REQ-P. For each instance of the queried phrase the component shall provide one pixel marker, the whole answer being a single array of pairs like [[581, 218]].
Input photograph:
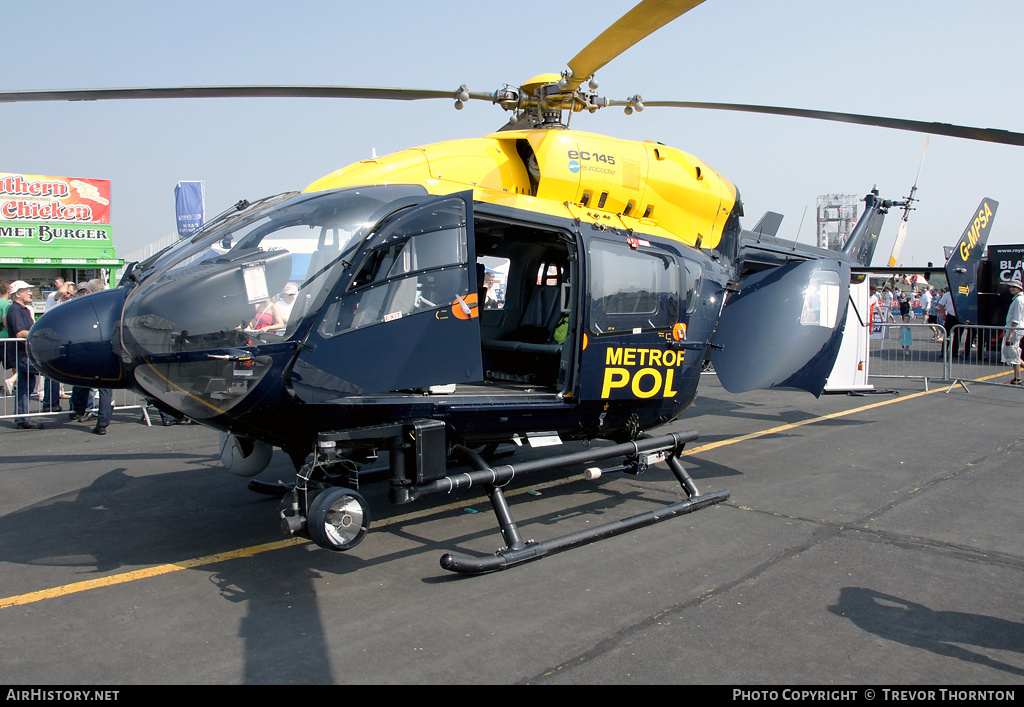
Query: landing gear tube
[[517, 551], [325, 505]]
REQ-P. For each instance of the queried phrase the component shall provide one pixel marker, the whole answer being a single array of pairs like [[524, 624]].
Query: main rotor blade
[[113, 94], [1004, 137], [643, 20], [920, 167]]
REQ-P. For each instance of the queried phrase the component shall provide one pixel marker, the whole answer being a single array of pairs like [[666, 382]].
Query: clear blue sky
[[932, 60]]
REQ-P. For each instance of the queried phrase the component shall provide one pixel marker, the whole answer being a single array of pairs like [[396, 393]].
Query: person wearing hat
[[287, 300], [1012, 333], [19, 320], [7, 351]]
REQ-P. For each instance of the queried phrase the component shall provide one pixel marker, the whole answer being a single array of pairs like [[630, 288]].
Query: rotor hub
[[544, 100]]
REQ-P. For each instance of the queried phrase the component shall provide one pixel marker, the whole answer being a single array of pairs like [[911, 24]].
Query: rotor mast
[[543, 101]]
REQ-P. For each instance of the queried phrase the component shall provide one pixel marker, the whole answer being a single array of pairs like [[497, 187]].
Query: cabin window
[[821, 300], [549, 275], [495, 281], [691, 283], [632, 289]]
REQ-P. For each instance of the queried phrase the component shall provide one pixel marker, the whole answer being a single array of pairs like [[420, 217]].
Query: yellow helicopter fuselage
[[643, 186]]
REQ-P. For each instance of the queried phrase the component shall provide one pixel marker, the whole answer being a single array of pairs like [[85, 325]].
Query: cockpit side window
[[416, 266], [422, 252]]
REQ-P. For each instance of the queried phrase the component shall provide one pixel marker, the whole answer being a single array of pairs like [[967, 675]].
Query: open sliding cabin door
[[404, 315]]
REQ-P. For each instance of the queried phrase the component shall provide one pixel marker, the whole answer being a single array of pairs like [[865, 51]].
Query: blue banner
[[189, 205]]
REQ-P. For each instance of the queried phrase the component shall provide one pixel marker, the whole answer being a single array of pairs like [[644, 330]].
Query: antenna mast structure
[[837, 215]]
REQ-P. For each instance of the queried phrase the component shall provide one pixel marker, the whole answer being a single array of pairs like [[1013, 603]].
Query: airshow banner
[[1006, 261], [189, 205]]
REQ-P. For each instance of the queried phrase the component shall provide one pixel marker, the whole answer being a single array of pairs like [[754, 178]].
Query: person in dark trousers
[[80, 396], [945, 307], [80, 401], [19, 320], [1012, 334]]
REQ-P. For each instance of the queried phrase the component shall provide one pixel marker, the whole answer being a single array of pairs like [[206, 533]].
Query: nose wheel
[[338, 519]]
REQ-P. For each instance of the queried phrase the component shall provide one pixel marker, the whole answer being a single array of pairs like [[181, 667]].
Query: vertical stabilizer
[[768, 225], [962, 265], [860, 246]]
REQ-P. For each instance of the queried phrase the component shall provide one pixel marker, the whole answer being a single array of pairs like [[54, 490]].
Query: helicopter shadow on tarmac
[[124, 522], [745, 407], [709, 408], [941, 632]]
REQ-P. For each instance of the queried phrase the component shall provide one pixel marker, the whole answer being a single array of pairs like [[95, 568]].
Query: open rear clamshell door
[[783, 328]]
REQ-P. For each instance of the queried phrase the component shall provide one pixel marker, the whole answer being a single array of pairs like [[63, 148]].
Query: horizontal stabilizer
[[768, 225]]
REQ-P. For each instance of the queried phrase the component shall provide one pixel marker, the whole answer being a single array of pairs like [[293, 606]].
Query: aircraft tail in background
[[861, 244], [963, 261]]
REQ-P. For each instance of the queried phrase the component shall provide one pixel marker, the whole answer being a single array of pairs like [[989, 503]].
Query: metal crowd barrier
[[907, 351], [969, 354], [974, 354], [9, 350]]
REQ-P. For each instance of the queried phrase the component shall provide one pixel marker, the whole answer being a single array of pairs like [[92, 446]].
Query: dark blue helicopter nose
[[78, 343]]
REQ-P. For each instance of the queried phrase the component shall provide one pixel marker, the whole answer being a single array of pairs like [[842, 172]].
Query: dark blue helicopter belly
[[473, 416]]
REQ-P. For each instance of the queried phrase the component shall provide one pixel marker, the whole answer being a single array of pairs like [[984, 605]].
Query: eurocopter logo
[[574, 166]]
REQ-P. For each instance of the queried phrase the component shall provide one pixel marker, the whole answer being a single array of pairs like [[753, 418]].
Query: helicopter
[[537, 285]]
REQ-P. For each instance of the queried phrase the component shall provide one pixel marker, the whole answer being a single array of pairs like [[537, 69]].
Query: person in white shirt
[[875, 306], [926, 303], [54, 298], [933, 314], [946, 308], [286, 300], [1012, 334]]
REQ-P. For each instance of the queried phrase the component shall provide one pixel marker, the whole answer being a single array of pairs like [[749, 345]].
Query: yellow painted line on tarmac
[[793, 425], [134, 575], [810, 421], [781, 428], [158, 570]]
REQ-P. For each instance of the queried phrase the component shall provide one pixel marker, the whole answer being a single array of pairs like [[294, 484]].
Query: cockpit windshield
[[251, 281], [241, 212], [278, 256]]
